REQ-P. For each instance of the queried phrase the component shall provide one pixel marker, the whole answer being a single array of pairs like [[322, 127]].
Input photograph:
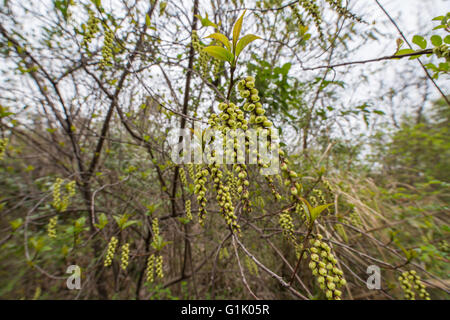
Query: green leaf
[[439, 18], [436, 40], [237, 30], [444, 66], [447, 39], [247, 39], [219, 53], [404, 51], [420, 41], [102, 221], [147, 20], [222, 38], [315, 212], [439, 27], [129, 223], [15, 224], [206, 22]]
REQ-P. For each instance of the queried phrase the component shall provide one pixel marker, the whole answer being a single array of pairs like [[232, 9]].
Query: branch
[[400, 56], [409, 45]]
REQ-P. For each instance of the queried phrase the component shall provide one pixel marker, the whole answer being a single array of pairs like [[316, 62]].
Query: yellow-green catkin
[[159, 267], [3, 145], [190, 167], [183, 177], [57, 194], [125, 256], [107, 49], [251, 266], [91, 29], [150, 268], [203, 56], [112, 245], [355, 219], [313, 11], [70, 192], [51, 227], [223, 253], [200, 191], [287, 225], [224, 198], [231, 118], [319, 196], [247, 90], [342, 11], [323, 265], [187, 205], [216, 67], [410, 283], [155, 227], [61, 204]]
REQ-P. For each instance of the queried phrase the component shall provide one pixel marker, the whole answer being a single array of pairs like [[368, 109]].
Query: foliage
[[93, 94]]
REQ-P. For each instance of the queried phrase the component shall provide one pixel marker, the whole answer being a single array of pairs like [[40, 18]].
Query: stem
[[231, 81], [301, 255]]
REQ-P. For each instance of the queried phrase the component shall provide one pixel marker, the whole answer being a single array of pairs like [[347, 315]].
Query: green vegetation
[[92, 90]]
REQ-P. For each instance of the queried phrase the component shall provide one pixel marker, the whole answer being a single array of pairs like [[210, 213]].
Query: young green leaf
[[315, 212], [219, 53], [206, 22], [436, 40], [420, 41], [237, 30], [222, 38], [404, 51], [247, 39]]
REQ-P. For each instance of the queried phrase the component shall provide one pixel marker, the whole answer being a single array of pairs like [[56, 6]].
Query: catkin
[[111, 251]]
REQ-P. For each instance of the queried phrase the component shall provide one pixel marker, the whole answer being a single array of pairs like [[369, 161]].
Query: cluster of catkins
[[70, 192], [91, 30], [107, 49], [289, 177], [257, 118], [112, 245], [248, 91], [342, 11], [3, 144], [354, 218], [58, 203], [297, 15], [323, 266], [410, 281], [223, 253], [51, 227], [271, 184], [442, 51], [313, 10], [224, 198], [154, 265], [155, 262], [203, 56], [287, 225], [231, 118], [125, 255], [251, 266]]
